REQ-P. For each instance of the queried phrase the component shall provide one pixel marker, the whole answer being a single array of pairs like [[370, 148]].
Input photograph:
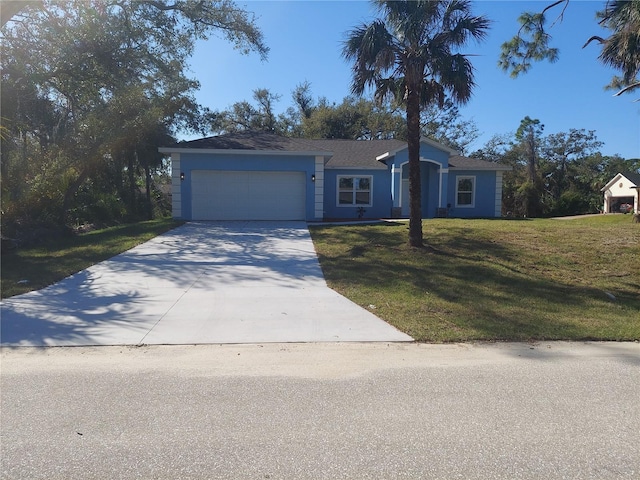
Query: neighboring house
[[259, 176], [623, 189]]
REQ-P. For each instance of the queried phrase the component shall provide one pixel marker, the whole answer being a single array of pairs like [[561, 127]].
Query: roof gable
[[423, 140], [634, 178]]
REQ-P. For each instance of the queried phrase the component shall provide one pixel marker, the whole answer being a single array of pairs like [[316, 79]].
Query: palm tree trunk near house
[[410, 54], [415, 187]]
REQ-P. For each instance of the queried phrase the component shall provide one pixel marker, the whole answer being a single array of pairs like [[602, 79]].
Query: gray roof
[[460, 162], [259, 141], [356, 153], [340, 153], [633, 178]]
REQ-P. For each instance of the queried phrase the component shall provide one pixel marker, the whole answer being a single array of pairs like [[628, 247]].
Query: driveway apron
[[204, 282]]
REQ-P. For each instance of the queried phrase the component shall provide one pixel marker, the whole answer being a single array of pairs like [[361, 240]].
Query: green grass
[[48, 263], [517, 280]]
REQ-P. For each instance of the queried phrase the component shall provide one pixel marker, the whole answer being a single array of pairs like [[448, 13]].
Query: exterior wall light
[[181, 175], [313, 177]]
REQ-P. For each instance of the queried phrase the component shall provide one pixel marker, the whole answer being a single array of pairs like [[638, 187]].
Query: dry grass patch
[[492, 279], [33, 268]]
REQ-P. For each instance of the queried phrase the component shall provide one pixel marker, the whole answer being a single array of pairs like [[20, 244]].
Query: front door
[[404, 198]]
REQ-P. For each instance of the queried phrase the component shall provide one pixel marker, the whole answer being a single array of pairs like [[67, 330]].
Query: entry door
[[404, 198]]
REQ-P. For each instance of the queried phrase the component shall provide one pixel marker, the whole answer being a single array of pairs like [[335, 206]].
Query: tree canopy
[[620, 50], [89, 90], [553, 175]]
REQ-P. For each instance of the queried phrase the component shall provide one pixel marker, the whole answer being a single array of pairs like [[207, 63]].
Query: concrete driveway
[[222, 282]]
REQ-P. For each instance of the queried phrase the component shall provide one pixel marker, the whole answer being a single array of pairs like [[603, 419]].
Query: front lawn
[[33, 268], [519, 280]]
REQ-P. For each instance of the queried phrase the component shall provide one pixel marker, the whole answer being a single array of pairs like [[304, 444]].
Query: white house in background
[[623, 189]]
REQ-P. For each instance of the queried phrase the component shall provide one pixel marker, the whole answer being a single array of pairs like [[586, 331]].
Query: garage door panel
[[236, 195]]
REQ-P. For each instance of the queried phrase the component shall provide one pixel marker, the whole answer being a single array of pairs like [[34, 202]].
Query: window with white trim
[[465, 191], [354, 191]]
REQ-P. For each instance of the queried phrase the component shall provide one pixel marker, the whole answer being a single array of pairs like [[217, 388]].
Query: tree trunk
[[415, 188], [70, 193], [132, 183], [147, 176]]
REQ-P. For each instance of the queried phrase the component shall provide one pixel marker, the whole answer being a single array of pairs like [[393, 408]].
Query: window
[[354, 191], [465, 191]]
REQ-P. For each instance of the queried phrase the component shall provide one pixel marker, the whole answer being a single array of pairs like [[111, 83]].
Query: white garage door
[[222, 195]]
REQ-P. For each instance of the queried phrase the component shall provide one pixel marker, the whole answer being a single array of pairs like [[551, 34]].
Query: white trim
[[498, 209], [440, 174], [176, 186], [473, 191], [613, 181], [489, 169], [318, 206], [368, 169], [356, 205]]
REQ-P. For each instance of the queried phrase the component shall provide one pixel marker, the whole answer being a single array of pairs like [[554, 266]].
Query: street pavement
[[552, 410]]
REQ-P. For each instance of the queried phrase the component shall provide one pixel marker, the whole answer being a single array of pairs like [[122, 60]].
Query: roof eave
[[244, 151], [501, 168], [611, 182]]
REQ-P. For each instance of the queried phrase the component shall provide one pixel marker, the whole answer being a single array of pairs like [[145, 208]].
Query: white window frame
[[473, 191], [351, 205]]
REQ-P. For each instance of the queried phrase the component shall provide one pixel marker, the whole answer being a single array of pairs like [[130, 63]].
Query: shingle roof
[[356, 153], [633, 177], [249, 141], [458, 161]]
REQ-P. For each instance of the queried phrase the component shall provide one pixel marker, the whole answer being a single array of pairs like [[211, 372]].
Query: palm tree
[[621, 50], [410, 54]]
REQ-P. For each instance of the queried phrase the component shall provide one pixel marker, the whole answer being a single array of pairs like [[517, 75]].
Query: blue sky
[[305, 39]]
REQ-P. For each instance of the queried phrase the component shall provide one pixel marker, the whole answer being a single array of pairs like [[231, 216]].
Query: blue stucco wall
[[203, 161], [485, 194], [381, 193], [385, 193]]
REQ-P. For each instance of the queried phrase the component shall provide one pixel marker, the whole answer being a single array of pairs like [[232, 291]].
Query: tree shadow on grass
[[501, 298]]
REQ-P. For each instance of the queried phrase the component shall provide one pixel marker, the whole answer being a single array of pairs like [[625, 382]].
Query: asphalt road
[[322, 411]]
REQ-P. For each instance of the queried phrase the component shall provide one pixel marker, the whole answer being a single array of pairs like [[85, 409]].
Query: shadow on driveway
[[204, 282]]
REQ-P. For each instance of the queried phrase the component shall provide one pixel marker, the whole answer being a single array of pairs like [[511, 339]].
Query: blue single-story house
[[260, 176]]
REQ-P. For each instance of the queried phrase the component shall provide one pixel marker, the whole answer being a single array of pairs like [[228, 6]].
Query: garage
[[248, 195], [622, 193]]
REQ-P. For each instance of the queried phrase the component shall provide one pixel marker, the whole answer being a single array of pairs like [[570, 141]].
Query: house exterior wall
[[380, 194], [484, 194], [389, 183], [189, 162]]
